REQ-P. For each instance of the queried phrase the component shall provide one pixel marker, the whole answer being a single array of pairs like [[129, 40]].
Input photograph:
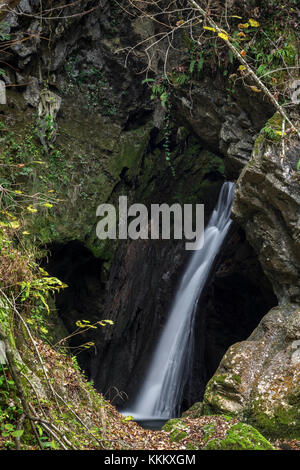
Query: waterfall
[[160, 396]]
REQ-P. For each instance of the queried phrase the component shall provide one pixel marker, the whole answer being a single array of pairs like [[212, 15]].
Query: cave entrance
[[236, 297], [76, 266]]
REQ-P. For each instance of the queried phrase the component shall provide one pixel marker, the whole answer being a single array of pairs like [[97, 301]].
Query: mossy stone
[[240, 437], [177, 435], [171, 424]]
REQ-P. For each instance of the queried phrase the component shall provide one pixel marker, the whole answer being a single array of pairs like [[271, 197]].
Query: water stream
[[160, 396]]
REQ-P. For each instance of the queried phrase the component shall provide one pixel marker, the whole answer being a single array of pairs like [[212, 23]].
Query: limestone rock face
[[267, 205], [259, 379], [227, 124]]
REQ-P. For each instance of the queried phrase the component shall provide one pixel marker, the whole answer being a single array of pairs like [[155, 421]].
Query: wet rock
[[226, 123], [32, 92], [240, 437], [260, 378], [267, 205], [215, 433], [2, 92]]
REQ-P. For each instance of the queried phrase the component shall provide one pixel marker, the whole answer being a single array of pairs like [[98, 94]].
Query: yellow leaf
[[18, 192], [223, 36], [242, 67], [255, 89], [51, 191], [25, 232], [243, 25], [14, 225], [127, 418], [254, 23], [241, 34], [239, 17], [209, 28], [180, 22], [31, 209], [47, 204]]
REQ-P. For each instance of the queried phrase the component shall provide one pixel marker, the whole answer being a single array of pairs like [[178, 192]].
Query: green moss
[[219, 386], [197, 410], [191, 446], [208, 431], [131, 148], [177, 435], [284, 421], [273, 128], [237, 378], [171, 424], [177, 429], [240, 437]]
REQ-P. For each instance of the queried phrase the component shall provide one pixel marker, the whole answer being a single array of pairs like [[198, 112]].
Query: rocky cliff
[[260, 377], [106, 138]]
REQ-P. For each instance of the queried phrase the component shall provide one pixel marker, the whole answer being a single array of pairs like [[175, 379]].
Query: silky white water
[[161, 393]]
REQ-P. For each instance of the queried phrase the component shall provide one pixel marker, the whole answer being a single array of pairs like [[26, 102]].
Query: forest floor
[[90, 422]]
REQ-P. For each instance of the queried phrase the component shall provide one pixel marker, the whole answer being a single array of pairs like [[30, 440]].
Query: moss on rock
[[240, 437]]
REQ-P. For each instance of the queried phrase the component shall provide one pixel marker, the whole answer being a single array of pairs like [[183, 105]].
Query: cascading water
[[160, 396]]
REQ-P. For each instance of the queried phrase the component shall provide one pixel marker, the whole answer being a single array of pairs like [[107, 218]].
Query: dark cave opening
[[236, 298], [234, 301], [77, 267]]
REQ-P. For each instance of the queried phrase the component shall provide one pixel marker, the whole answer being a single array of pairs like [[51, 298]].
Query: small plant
[[159, 90], [4, 28], [271, 134]]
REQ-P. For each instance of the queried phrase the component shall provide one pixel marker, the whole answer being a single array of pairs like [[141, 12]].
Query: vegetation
[[46, 402]]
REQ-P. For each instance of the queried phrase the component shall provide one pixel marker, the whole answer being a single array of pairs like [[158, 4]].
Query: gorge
[[91, 116], [160, 394]]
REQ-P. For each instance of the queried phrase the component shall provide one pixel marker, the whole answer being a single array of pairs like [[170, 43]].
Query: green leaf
[[148, 80], [127, 418], [54, 445], [9, 427], [192, 66], [164, 99], [18, 433], [200, 63]]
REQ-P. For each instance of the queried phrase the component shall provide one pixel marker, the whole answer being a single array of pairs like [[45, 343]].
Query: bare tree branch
[[240, 58]]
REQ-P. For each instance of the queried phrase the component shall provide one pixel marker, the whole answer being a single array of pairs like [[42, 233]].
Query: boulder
[[267, 205], [259, 379]]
